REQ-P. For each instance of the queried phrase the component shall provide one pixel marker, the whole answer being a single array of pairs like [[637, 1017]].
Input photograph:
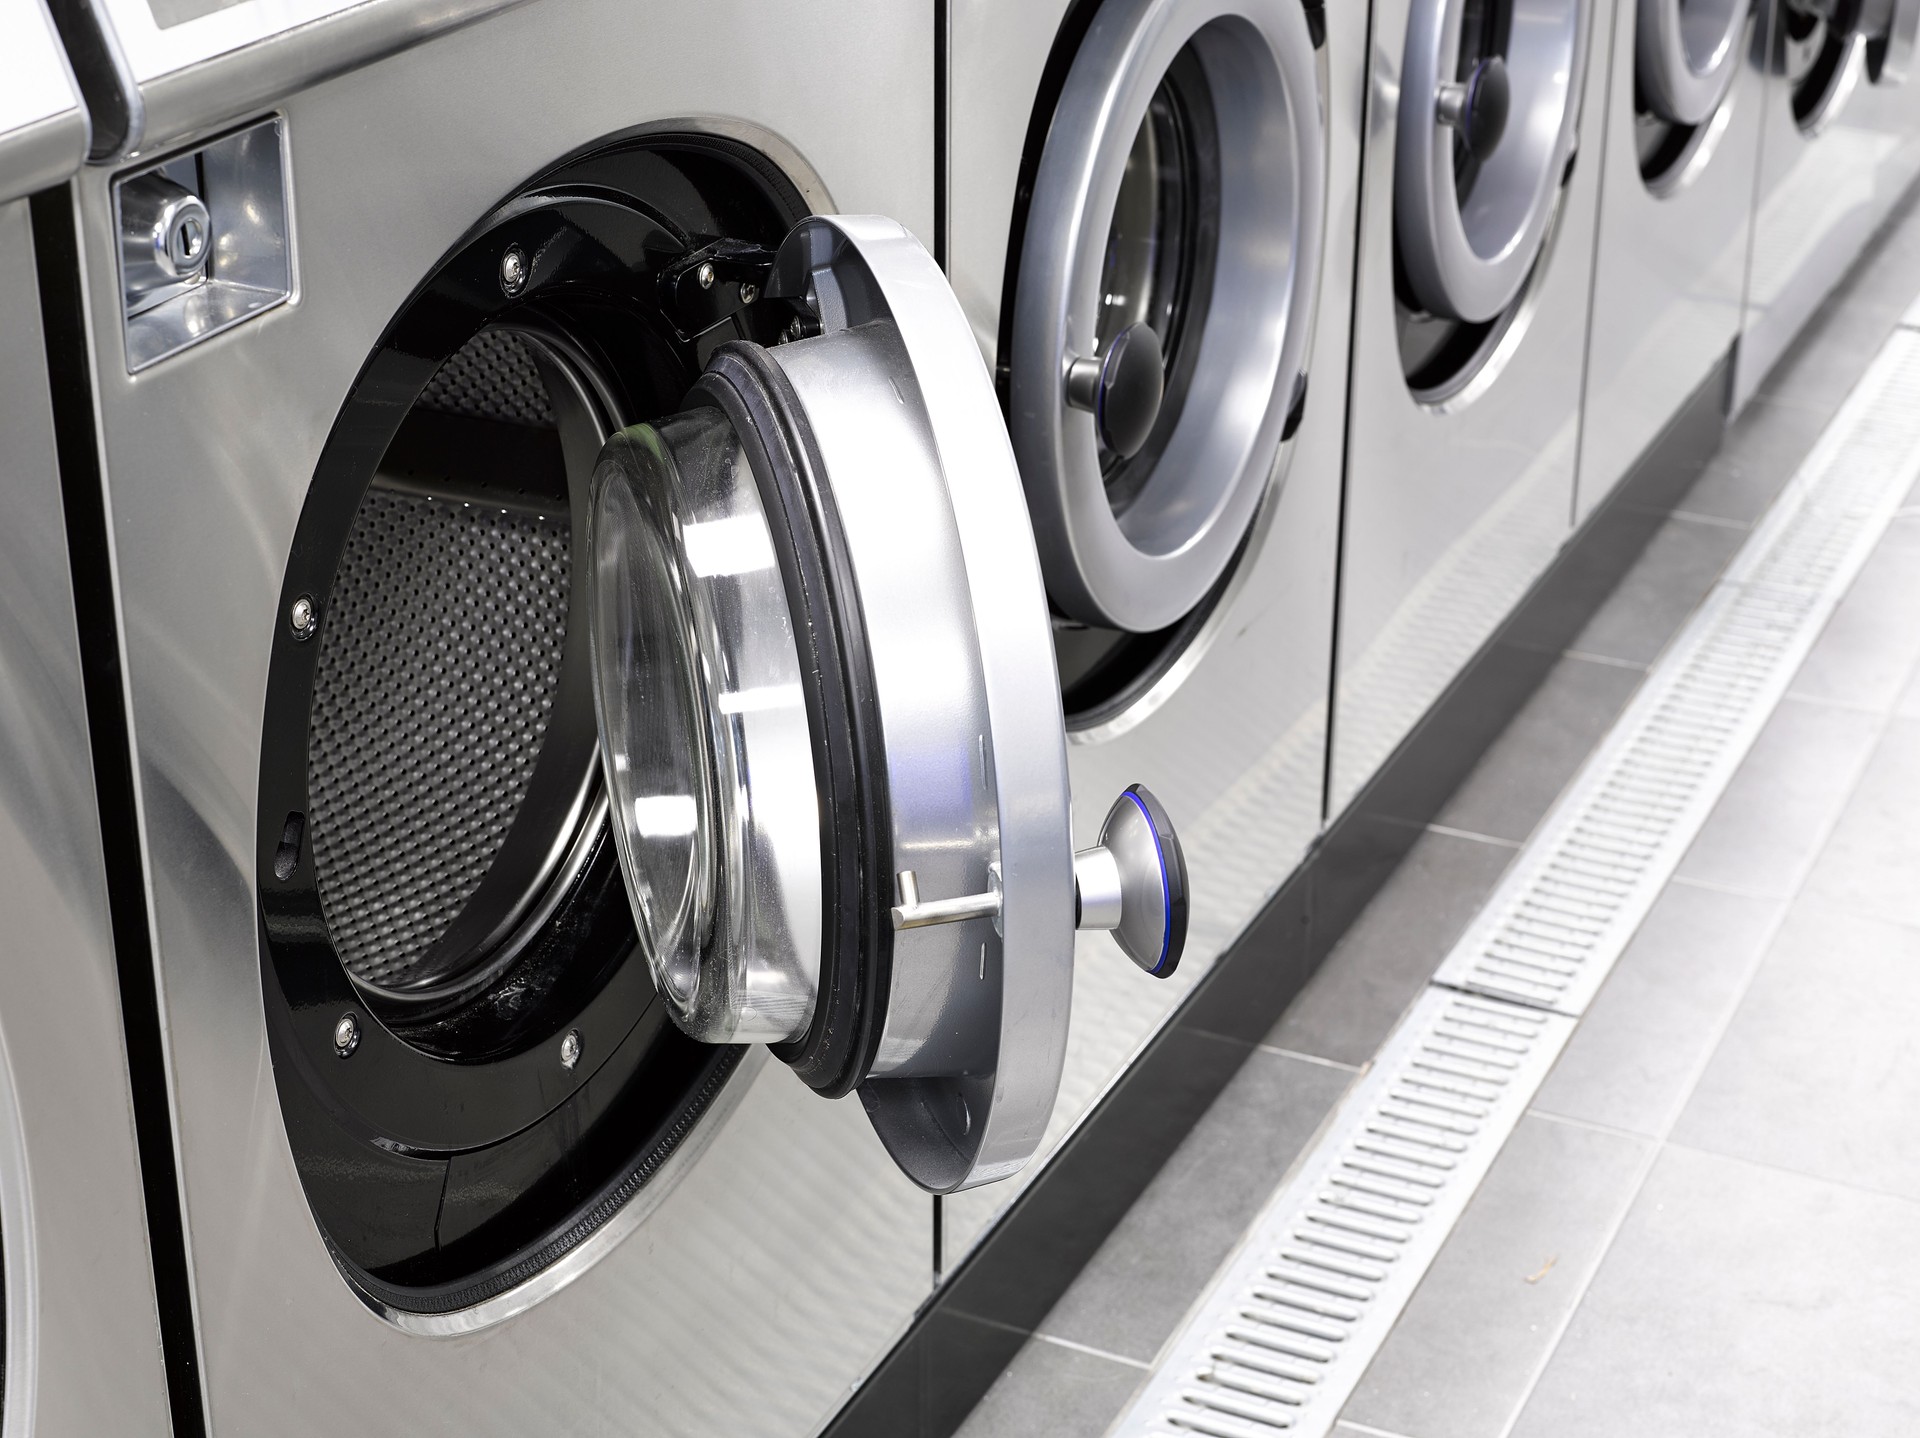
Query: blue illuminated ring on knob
[[1153, 874]]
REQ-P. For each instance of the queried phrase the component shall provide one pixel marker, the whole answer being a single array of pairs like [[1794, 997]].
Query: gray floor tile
[[1540, 751], [1665, 586], [1819, 1072], [1055, 1391], [1868, 651], [1871, 864], [1642, 1042], [1763, 448], [1385, 959], [1738, 1301], [1769, 824], [1459, 1361], [1129, 1299]]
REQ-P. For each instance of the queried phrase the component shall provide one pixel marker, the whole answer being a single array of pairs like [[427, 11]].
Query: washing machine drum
[[1488, 105], [1686, 53], [1164, 300], [735, 726]]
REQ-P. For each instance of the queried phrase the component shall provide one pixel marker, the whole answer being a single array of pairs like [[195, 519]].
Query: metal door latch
[[1132, 883], [713, 283], [914, 913]]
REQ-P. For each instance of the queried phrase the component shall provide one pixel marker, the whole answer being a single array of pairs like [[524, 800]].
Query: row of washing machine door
[[580, 615]]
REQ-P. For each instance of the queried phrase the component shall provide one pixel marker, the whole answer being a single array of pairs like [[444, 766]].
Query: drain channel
[[1290, 1323]]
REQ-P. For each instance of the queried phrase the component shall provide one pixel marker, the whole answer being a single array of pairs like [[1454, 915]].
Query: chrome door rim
[[1686, 53], [1470, 261], [1141, 570]]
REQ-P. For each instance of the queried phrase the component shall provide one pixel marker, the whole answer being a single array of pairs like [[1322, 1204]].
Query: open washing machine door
[[1488, 110], [830, 728], [600, 746]]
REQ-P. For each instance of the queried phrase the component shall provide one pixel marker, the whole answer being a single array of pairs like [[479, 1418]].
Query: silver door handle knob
[[1134, 882]]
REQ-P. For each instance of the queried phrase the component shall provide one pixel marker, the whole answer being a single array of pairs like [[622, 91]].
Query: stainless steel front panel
[[43, 125], [1818, 200], [82, 1336], [1669, 267], [1452, 509], [1234, 744], [790, 1253]]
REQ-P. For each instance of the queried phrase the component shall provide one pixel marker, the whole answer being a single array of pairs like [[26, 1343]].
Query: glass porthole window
[[708, 761]]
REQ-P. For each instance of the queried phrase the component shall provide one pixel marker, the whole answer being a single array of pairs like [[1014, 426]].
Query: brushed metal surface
[[1668, 271], [43, 124], [782, 1265], [1452, 510], [82, 1337], [1817, 201], [197, 65], [1236, 749]]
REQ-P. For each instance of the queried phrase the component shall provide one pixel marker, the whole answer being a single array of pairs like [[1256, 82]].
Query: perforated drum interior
[[439, 663]]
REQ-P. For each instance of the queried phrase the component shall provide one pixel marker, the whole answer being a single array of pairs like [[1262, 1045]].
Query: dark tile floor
[[1727, 1099]]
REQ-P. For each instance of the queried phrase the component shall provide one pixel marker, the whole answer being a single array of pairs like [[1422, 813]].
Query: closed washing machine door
[[1164, 297], [1488, 104], [663, 669], [1686, 53], [1825, 48]]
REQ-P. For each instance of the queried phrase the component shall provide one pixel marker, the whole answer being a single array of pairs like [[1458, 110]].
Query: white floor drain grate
[[1289, 1325], [1335, 1258], [1567, 908]]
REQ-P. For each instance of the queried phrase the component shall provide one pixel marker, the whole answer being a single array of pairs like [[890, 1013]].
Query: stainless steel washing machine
[[80, 1328], [1479, 184], [1683, 121], [1840, 145], [585, 658], [1176, 177]]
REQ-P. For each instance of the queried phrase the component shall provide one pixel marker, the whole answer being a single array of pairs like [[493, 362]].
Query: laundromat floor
[[1677, 1189]]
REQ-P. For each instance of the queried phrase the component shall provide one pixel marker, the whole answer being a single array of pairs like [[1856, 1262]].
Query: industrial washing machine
[[1683, 120], [78, 1321], [1840, 145], [1166, 188], [1478, 196], [584, 659]]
